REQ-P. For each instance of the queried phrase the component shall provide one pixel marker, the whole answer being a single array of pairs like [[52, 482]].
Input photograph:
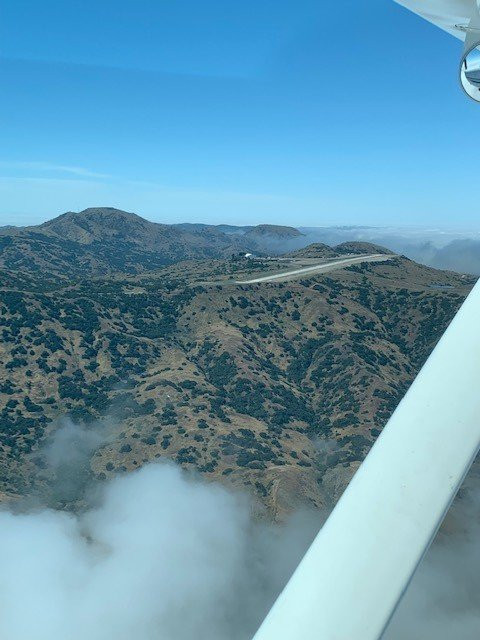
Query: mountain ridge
[[104, 240], [276, 388], [98, 241]]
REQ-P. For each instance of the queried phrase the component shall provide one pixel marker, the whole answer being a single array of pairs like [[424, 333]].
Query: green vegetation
[[231, 380]]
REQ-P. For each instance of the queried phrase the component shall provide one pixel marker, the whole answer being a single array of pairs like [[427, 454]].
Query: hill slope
[[315, 250], [273, 231], [102, 241], [360, 248], [280, 387]]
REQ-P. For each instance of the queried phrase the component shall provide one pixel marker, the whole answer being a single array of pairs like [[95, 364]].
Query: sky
[[261, 111]]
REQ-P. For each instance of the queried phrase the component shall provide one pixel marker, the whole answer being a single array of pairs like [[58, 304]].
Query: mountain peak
[[274, 230], [97, 223], [95, 214], [107, 212], [361, 248], [315, 250]]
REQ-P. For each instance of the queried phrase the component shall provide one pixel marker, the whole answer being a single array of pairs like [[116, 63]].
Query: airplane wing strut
[[351, 579]]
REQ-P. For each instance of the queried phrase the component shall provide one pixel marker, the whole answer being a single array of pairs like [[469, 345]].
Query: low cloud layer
[[67, 456], [443, 600], [454, 250], [460, 255], [162, 555]]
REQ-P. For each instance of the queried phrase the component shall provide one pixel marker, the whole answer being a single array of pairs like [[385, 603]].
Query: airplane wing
[[351, 579], [452, 16], [460, 18]]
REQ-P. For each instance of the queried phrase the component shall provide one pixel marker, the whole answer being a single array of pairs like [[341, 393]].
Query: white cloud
[[161, 556], [50, 167]]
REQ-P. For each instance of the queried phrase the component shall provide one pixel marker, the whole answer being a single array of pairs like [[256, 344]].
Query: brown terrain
[[280, 387]]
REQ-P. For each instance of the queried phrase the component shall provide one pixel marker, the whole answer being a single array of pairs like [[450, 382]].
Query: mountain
[[262, 238], [228, 229], [103, 240], [274, 239], [360, 248], [278, 387], [103, 224], [315, 250], [100, 241], [273, 231], [259, 231], [319, 250]]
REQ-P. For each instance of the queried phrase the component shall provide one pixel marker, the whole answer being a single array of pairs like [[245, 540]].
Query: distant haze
[[454, 250], [442, 248]]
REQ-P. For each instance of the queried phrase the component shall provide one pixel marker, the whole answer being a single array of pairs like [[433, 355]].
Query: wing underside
[[452, 16]]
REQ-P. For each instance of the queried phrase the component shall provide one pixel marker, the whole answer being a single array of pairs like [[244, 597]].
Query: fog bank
[[443, 600], [443, 249], [162, 555]]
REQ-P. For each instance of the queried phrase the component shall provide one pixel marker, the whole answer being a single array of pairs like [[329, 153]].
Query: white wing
[[451, 15], [460, 18], [354, 574]]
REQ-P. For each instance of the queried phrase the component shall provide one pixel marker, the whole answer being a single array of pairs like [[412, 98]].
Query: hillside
[[279, 387], [274, 231], [360, 248], [315, 250], [100, 241], [103, 241]]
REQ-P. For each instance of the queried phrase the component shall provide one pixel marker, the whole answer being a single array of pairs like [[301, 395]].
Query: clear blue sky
[[290, 111]]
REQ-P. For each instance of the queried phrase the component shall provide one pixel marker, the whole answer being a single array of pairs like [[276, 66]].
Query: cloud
[[442, 601], [161, 556], [68, 456], [459, 255], [443, 249], [48, 167]]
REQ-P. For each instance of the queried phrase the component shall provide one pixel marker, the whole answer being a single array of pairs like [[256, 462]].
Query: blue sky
[[288, 111]]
